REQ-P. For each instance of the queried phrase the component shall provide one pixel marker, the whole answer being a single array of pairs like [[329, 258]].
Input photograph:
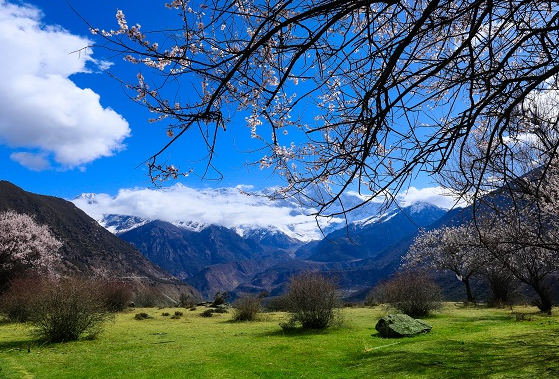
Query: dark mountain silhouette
[[88, 248], [218, 259]]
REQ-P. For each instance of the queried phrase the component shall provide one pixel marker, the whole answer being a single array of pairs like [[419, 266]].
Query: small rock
[[400, 325]]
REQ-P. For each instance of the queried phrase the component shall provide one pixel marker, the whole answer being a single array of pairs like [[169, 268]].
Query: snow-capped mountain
[[221, 239], [236, 208], [368, 237], [118, 224], [195, 210], [192, 226]]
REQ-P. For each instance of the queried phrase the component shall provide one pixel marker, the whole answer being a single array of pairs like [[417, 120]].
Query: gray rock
[[400, 325]]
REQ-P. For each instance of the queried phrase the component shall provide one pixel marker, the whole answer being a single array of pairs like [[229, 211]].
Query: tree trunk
[[501, 285], [469, 296], [545, 302]]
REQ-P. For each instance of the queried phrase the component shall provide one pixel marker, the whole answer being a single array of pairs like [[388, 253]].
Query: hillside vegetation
[[465, 342]]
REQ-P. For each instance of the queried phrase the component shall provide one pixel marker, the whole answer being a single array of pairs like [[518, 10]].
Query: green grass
[[464, 343]]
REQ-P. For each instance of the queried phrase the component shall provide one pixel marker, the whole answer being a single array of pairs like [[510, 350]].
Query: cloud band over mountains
[[232, 207]]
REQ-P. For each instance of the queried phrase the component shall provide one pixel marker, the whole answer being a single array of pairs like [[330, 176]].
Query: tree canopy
[[25, 245], [356, 94]]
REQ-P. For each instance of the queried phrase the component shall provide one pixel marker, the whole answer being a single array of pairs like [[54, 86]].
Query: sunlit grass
[[464, 343]]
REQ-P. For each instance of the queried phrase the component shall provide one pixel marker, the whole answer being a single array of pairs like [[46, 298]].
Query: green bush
[[207, 313], [220, 298], [276, 304], [223, 308]]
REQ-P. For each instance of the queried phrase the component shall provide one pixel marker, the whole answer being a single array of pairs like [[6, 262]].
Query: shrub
[[116, 295], [65, 310], [148, 298], [16, 301], [312, 300], [141, 316], [246, 308], [177, 315], [165, 314], [223, 308], [412, 293], [207, 313], [276, 304], [186, 300], [220, 298]]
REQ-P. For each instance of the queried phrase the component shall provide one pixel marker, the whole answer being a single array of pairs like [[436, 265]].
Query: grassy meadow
[[464, 343]]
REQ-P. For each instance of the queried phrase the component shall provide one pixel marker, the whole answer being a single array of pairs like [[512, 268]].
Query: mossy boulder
[[400, 325]]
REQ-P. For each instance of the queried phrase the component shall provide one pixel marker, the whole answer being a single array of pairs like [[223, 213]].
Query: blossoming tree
[[528, 248], [455, 249], [25, 245]]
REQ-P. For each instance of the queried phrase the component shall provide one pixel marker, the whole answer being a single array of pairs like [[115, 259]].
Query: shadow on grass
[[299, 332], [17, 345], [522, 356]]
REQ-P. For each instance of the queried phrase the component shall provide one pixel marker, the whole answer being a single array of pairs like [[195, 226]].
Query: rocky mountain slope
[[212, 259], [358, 256], [185, 252], [88, 248]]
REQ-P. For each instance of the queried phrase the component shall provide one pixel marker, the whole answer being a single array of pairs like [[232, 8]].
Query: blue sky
[[122, 127], [69, 128]]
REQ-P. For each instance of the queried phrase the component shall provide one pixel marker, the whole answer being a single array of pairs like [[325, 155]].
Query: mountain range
[[249, 259], [207, 258]]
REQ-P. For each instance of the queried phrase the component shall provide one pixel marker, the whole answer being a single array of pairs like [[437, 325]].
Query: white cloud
[[42, 109], [35, 162], [229, 207], [433, 195]]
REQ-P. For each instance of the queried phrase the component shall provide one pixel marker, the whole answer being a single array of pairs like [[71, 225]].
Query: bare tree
[[64, 310], [351, 94], [25, 245]]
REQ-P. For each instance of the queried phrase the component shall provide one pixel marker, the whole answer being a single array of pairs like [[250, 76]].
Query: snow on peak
[[88, 197], [240, 208], [118, 224], [420, 207], [193, 226]]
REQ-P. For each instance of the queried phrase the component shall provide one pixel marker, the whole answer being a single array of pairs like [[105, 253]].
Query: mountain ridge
[[88, 248]]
